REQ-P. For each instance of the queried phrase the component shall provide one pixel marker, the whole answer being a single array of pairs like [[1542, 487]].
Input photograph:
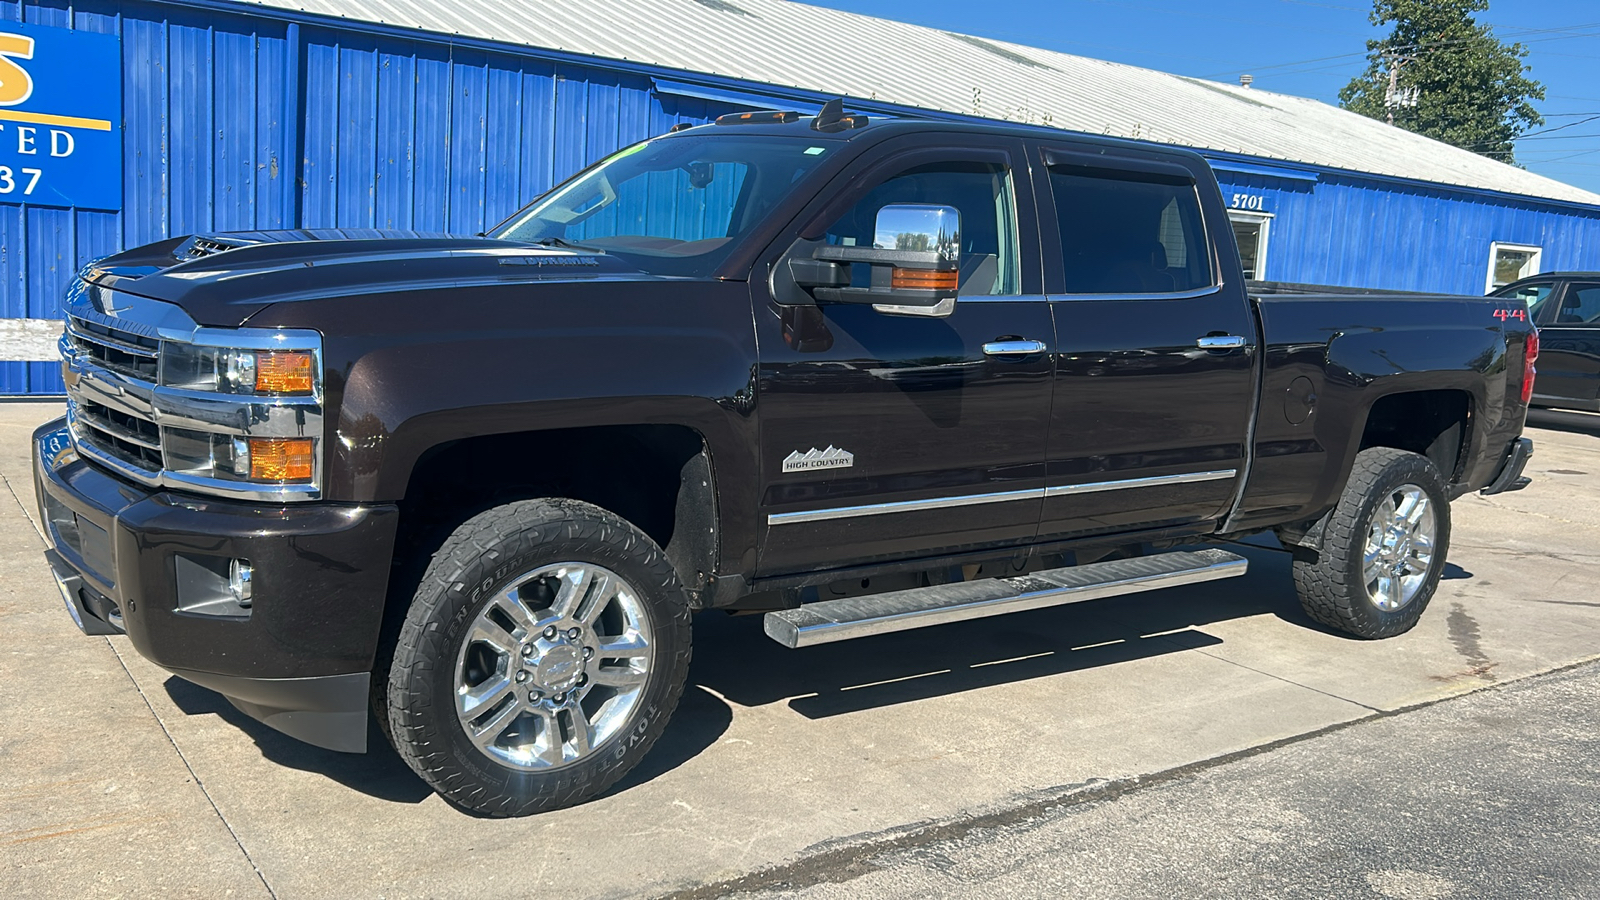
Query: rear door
[[1569, 348], [1154, 379], [890, 436]]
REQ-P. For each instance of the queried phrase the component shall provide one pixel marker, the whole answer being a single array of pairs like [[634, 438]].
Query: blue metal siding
[[251, 122], [1351, 231], [239, 122]]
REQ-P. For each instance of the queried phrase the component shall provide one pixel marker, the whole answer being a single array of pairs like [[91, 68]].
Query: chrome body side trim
[[1170, 295], [878, 509], [1157, 481]]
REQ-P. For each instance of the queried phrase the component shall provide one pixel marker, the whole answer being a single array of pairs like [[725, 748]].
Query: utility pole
[[1397, 96]]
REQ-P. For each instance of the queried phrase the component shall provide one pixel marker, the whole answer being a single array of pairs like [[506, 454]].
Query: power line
[[1565, 32]]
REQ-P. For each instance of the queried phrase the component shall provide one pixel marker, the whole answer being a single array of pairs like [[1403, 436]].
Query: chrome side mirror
[[921, 227]]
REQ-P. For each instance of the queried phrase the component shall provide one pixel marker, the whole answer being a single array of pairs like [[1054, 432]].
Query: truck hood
[[224, 279]]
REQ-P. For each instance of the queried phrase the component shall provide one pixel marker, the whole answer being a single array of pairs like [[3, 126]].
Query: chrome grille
[[120, 351], [182, 436], [126, 436]]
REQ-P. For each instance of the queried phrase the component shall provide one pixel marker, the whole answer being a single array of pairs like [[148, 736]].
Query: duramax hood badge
[[831, 458]]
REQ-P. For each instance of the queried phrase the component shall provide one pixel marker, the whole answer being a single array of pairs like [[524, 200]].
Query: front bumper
[[1510, 477], [134, 560]]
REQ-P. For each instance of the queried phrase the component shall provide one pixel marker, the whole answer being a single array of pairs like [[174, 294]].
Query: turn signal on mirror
[[283, 372], [924, 280], [280, 459]]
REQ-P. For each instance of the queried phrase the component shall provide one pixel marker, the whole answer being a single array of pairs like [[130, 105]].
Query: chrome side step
[[853, 617]]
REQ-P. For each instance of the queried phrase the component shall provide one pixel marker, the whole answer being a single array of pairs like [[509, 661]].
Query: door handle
[[1220, 342], [1012, 348]]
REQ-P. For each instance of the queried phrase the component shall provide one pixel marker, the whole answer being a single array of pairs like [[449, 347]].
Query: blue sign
[[60, 117]]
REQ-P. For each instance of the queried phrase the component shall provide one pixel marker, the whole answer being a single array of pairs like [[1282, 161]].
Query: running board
[[854, 617]]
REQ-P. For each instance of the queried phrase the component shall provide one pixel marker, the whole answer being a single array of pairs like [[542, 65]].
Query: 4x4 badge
[[831, 458]]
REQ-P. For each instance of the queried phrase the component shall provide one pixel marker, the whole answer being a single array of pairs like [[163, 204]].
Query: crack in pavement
[[840, 864], [159, 722]]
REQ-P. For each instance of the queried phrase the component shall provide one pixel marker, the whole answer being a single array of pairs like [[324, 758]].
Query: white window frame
[[1535, 262], [1264, 219]]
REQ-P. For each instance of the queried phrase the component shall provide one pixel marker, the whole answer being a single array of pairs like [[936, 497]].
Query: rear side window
[[1581, 306], [1534, 295], [1129, 234]]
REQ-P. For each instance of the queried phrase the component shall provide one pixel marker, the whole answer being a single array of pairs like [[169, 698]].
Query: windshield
[[670, 206]]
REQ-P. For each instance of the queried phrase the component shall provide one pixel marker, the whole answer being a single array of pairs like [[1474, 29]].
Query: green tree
[[1442, 74]]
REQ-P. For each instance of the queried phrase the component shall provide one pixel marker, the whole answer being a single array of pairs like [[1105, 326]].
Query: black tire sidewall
[[480, 781], [1406, 468]]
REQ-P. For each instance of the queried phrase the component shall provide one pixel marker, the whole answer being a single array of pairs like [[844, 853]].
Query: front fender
[[409, 372]]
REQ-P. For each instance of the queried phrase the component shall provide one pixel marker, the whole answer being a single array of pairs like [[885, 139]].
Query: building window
[[1251, 231], [1511, 262]]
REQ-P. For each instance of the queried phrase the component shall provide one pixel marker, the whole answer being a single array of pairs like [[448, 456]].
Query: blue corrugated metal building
[[248, 116]]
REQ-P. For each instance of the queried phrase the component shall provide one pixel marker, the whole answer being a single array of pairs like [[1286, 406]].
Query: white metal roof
[[838, 53]]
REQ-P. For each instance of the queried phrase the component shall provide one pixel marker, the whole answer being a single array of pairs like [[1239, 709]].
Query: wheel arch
[[659, 477]]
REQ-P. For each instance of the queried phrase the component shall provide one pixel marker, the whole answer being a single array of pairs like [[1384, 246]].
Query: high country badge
[[831, 458]]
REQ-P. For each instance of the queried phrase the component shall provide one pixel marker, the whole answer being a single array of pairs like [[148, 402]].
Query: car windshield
[[673, 205]]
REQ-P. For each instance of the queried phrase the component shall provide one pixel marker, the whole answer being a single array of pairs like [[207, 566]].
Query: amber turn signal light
[[924, 280], [283, 372], [280, 459]]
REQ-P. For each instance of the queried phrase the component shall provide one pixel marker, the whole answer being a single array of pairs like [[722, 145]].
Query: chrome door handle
[[1220, 342], [1012, 348]]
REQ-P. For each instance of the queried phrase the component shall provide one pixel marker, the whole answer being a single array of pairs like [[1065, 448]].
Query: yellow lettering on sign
[[16, 85]]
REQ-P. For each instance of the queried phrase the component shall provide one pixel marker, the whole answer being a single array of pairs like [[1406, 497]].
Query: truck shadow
[[379, 772], [735, 664], [735, 659]]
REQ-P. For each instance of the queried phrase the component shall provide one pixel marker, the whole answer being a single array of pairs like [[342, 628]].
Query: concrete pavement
[[126, 781], [1492, 795]]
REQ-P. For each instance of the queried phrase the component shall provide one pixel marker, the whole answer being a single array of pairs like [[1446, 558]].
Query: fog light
[[212, 586], [239, 574], [280, 459]]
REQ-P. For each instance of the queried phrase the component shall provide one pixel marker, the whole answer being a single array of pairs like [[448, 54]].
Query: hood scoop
[[200, 246]]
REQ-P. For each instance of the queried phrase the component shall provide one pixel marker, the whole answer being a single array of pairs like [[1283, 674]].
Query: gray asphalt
[[1495, 794]]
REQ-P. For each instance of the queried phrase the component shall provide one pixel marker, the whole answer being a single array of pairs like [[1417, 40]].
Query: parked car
[[485, 481], [1566, 307]]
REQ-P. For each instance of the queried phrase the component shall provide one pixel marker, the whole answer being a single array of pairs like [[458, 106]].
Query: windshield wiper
[[564, 244]]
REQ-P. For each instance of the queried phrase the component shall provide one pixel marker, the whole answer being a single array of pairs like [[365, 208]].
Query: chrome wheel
[[1399, 547], [553, 666]]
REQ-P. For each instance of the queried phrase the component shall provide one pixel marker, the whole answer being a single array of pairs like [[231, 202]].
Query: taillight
[[1530, 355]]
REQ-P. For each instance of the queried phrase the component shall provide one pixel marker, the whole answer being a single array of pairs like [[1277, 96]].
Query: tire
[[1338, 589], [502, 695]]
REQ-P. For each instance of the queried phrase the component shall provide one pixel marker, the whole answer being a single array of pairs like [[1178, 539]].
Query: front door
[[890, 436], [1154, 379]]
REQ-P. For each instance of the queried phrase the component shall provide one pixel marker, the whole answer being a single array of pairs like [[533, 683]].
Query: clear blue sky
[[1301, 47]]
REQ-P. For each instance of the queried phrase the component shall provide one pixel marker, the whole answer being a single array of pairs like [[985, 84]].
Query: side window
[[981, 192], [1128, 234], [1581, 306], [1534, 296]]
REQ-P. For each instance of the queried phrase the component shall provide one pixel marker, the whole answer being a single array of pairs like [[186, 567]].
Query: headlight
[[232, 370]]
